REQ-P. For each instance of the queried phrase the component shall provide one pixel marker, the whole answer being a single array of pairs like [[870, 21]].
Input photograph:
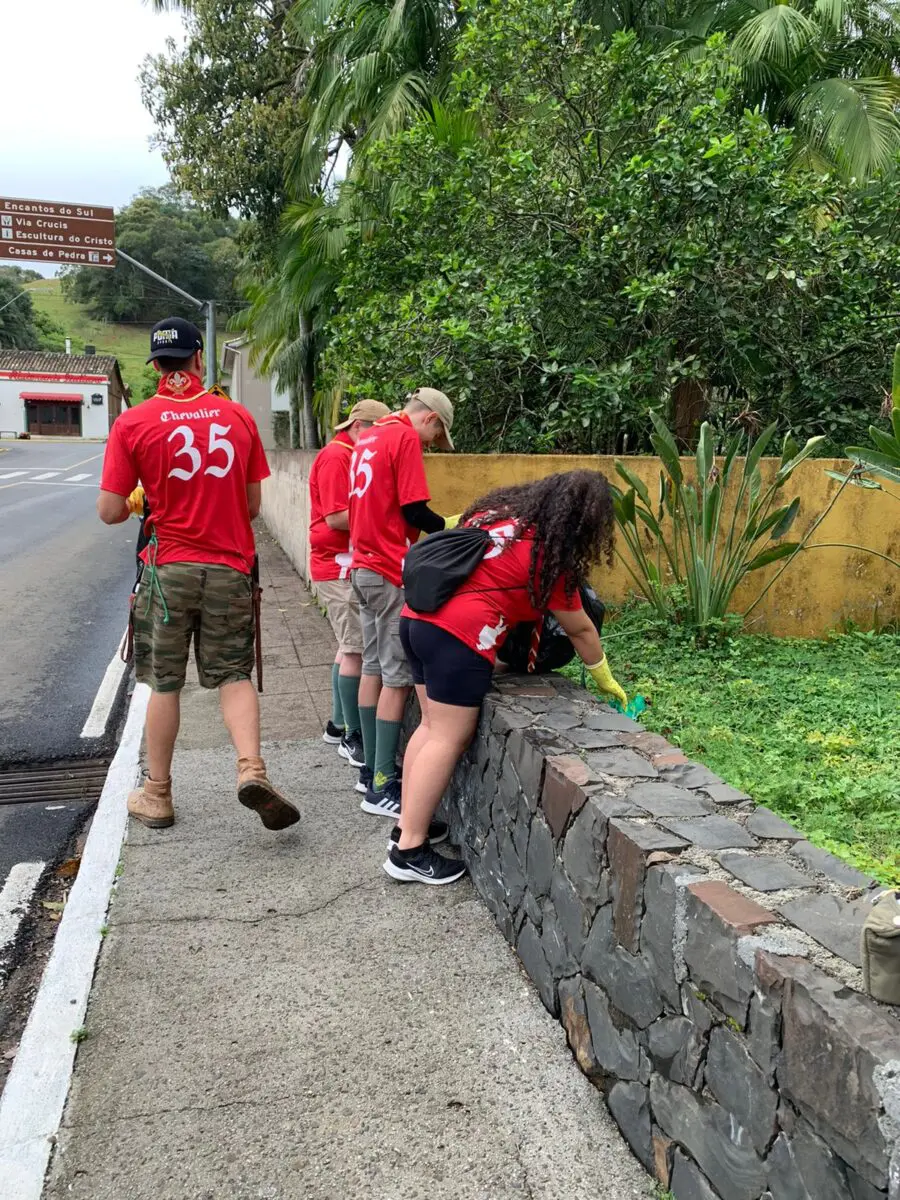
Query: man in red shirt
[[388, 509], [329, 570], [201, 463]]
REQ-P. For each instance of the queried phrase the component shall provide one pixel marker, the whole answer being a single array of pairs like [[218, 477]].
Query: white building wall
[[94, 417]]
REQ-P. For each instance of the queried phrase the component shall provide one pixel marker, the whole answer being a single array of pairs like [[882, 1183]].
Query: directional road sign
[[33, 231]]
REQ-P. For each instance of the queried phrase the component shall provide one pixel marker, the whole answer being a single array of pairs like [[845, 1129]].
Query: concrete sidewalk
[[272, 1017]]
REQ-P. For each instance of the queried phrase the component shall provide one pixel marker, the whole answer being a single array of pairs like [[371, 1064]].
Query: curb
[[32, 1103]]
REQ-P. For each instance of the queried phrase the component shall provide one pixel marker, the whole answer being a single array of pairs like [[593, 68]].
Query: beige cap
[[364, 410], [440, 404]]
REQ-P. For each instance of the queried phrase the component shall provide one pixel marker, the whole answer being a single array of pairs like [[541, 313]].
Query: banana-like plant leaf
[[881, 464], [856, 480], [790, 448], [633, 481], [733, 447], [788, 516], [758, 449], [711, 506], [789, 467], [664, 445], [771, 521], [772, 554], [689, 503], [623, 508], [649, 520], [886, 444], [705, 453]]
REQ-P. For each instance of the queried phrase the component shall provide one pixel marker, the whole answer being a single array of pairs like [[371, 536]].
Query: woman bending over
[[546, 538]]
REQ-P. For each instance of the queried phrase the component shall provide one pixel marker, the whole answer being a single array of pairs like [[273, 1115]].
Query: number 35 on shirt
[[219, 446]]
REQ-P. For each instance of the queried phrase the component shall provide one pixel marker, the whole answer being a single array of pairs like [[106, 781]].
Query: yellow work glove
[[135, 502], [603, 677], [452, 522]]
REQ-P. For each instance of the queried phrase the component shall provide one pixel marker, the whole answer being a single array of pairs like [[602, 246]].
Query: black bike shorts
[[451, 672]]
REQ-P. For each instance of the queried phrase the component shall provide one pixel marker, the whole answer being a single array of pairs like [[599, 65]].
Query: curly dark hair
[[571, 514]]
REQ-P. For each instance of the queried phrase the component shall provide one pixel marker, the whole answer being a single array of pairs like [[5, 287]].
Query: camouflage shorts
[[212, 604]]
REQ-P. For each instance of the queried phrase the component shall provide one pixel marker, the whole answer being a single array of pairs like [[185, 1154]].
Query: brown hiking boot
[[255, 791], [151, 804]]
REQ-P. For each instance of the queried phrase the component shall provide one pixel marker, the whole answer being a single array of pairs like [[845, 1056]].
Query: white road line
[[12, 474], [15, 897], [52, 483], [95, 725], [46, 475], [77, 478], [32, 1102]]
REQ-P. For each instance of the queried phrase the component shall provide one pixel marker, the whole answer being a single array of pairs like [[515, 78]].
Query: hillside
[[129, 343]]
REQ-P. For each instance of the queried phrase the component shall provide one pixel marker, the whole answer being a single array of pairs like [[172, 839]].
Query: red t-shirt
[[329, 491], [386, 471], [194, 455], [495, 596]]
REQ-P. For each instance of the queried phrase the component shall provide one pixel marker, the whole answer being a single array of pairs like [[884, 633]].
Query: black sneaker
[[383, 804], [364, 783], [333, 734], [351, 748], [438, 831], [423, 865]]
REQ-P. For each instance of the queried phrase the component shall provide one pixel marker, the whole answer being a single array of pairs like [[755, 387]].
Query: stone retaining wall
[[701, 955]]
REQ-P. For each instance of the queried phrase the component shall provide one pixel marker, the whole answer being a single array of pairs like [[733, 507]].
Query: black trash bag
[[555, 650]]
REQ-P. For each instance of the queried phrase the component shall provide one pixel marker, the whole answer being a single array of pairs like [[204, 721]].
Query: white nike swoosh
[[430, 871]]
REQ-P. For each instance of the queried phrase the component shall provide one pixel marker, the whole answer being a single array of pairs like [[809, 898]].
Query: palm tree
[[827, 68], [374, 64], [287, 312]]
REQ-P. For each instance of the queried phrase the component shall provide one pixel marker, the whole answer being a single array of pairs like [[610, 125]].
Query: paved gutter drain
[[54, 782]]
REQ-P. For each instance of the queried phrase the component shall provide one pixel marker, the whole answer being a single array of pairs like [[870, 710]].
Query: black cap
[[174, 338]]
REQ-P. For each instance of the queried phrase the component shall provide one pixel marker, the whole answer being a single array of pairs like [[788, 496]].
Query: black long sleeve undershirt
[[422, 517]]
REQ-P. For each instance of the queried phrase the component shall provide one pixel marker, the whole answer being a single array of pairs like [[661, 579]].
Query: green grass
[[128, 343], [809, 728]]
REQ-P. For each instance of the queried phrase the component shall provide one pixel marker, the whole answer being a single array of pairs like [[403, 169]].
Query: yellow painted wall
[[818, 591]]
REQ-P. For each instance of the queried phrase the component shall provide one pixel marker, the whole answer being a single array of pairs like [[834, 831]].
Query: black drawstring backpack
[[437, 566]]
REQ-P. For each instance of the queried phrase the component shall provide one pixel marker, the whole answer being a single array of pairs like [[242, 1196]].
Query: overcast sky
[[74, 128]]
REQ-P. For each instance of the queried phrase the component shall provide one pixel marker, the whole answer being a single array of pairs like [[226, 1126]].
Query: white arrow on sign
[[107, 258]]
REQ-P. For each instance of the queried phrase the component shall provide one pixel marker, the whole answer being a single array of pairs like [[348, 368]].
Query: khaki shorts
[[342, 608], [380, 605], [211, 604]]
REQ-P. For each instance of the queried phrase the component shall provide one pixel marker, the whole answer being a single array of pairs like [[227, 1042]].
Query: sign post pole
[[209, 306]]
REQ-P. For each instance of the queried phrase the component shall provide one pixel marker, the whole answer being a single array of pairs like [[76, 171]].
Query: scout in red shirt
[[388, 509], [201, 463], [545, 538], [329, 569]]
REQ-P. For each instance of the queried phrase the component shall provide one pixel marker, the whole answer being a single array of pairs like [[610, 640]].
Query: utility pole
[[207, 306]]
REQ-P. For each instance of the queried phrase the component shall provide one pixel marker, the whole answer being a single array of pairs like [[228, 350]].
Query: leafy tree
[[226, 107], [600, 227], [160, 229], [22, 326]]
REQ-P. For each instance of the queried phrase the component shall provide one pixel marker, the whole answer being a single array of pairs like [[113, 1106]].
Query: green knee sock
[[337, 710], [367, 725], [349, 689], [387, 736]]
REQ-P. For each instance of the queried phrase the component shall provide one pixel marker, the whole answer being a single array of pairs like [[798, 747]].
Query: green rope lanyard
[[153, 580]]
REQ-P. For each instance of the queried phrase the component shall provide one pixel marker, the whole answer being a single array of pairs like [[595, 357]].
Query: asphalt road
[[65, 580]]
